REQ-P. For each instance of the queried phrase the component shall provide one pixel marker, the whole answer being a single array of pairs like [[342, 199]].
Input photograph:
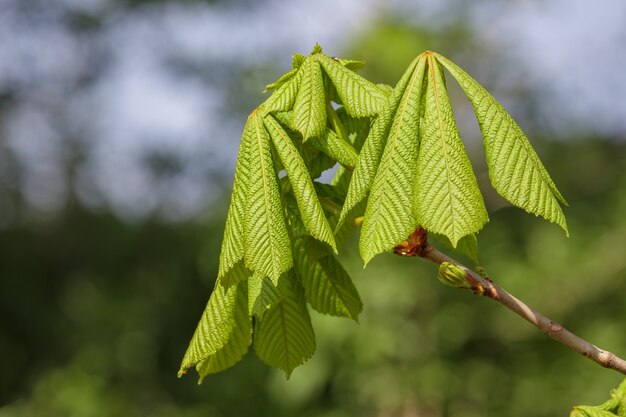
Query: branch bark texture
[[417, 245]]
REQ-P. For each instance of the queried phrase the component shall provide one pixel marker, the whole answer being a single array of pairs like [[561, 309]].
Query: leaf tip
[[366, 259], [317, 49]]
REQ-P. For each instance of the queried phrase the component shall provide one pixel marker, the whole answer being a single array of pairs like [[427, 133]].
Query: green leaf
[[215, 327], [267, 245], [619, 395], [359, 96], [297, 60], [332, 197], [389, 215], [351, 64], [232, 244], [262, 293], [317, 49], [357, 128], [367, 164], [590, 411], [611, 405], [447, 198], [386, 89], [309, 110], [310, 210], [235, 275], [282, 80], [284, 337], [514, 167], [284, 97], [238, 342], [315, 161], [328, 287], [335, 147]]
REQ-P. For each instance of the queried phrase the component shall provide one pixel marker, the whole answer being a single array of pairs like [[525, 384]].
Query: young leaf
[[351, 64], [389, 216], [297, 60], [238, 342], [317, 49], [359, 96], [315, 161], [337, 148], [514, 167], [216, 325], [308, 203], [235, 275], [619, 395], [447, 198], [284, 97], [590, 411], [262, 293], [357, 128], [328, 287], [367, 164], [284, 337], [282, 80], [267, 245], [309, 110], [232, 244]]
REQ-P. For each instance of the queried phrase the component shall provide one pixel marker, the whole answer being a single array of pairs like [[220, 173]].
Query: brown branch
[[417, 245]]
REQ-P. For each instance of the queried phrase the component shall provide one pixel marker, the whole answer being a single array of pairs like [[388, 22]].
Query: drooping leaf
[[351, 64], [590, 411], [359, 96], [386, 89], [315, 161], [284, 337], [262, 293], [309, 110], [238, 342], [267, 245], [297, 60], [328, 287], [296, 226], [235, 275], [232, 244], [447, 198], [310, 210], [357, 128], [367, 164], [332, 197], [389, 215], [335, 147], [284, 96], [514, 167], [282, 80], [216, 325]]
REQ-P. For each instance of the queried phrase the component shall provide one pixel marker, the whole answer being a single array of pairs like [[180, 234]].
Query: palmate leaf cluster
[[402, 164]]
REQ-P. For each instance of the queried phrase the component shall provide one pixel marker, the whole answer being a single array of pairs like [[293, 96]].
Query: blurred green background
[[119, 124]]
